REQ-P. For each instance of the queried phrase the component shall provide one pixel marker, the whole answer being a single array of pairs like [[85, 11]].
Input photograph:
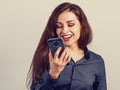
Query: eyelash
[[69, 25], [57, 26]]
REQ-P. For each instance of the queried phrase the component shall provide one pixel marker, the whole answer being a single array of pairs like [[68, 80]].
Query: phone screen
[[54, 44]]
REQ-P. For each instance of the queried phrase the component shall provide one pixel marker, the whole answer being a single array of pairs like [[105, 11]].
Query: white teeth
[[67, 36]]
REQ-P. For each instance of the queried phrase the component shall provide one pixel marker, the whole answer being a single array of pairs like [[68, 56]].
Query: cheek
[[78, 33], [58, 32]]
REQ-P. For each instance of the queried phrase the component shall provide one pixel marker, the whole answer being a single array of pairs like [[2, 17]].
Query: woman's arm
[[50, 78], [101, 77], [44, 83]]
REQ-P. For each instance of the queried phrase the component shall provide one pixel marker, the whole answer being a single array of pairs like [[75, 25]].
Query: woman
[[77, 68]]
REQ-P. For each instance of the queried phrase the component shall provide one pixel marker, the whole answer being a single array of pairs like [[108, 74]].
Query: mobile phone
[[54, 44]]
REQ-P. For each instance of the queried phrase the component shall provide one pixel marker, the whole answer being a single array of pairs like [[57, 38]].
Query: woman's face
[[68, 27]]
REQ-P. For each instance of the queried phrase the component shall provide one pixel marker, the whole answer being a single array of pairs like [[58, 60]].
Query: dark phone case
[[54, 43]]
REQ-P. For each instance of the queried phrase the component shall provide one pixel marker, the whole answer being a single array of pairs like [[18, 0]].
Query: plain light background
[[22, 23]]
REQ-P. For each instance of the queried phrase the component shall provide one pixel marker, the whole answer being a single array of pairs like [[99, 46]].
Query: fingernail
[[60, 48]]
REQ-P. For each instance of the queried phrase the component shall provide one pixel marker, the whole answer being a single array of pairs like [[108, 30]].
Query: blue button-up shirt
[[86, 74]]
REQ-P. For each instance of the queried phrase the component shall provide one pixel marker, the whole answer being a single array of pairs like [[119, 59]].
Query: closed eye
[[70, 24], [59, 25]]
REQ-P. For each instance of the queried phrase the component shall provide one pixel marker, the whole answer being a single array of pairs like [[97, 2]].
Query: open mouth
[[66, 37]]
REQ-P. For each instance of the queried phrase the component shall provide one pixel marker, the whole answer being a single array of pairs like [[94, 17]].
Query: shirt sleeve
[[101, 77], [45, 83]]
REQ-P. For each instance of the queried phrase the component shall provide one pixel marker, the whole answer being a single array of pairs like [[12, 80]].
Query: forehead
[[67, 16]]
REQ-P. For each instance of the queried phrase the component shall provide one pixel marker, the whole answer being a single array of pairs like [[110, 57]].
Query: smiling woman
[[77, 68], [68, 28]]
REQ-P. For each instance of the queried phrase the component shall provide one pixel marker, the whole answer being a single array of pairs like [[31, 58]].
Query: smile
[[66, 37]]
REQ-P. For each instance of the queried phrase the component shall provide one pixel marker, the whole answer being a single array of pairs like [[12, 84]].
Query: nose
[[65, 29]]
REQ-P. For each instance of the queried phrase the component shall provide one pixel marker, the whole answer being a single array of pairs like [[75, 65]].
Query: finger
[[57, 53], [63, 53], [68, 60], [66, 56], [50, 56]]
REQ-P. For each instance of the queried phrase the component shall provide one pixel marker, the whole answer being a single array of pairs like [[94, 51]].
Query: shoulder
[[95, 56]]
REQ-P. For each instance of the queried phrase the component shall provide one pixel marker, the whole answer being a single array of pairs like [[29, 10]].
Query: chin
[[67, 44]]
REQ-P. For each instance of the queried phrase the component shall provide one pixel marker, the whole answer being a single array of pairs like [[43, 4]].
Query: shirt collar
[[86, 56], [87, 53]]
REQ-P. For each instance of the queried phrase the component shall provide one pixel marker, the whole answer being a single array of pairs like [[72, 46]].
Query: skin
[[68, 28]]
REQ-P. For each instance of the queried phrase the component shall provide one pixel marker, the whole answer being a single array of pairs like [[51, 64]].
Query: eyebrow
[[67, 21], [70, 21]]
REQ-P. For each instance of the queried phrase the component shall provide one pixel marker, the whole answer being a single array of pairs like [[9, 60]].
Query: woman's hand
[[58, 64]]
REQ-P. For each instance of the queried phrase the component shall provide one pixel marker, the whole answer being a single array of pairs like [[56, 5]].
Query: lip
[[66, 37]]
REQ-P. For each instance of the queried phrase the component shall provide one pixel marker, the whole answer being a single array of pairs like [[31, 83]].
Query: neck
[[76, 53]]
